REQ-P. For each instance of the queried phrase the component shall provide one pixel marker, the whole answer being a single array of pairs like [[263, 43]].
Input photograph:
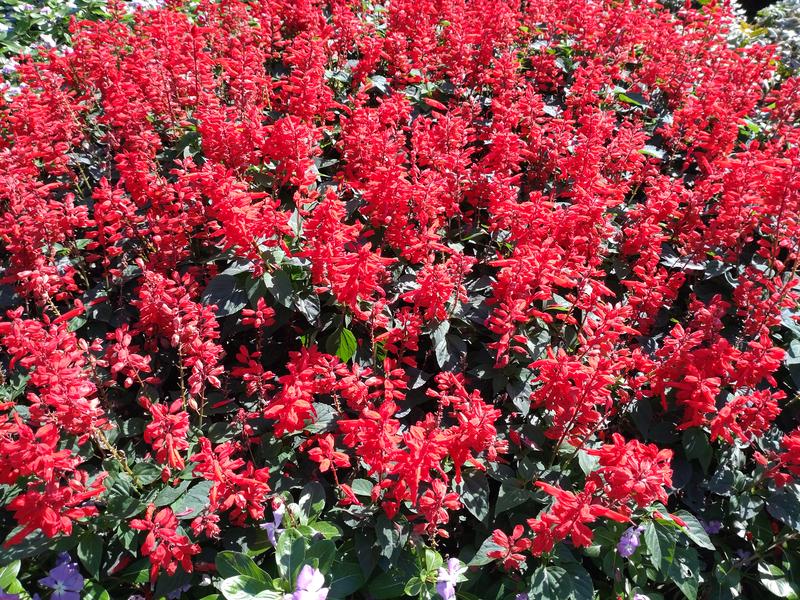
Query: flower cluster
[[516, 282]]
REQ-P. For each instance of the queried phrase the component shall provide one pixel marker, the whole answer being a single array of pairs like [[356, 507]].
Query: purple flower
[[178, 593], [712, 527], [309, 585], [448, 578], [64, 579], [743, 554], [629, 541], [522, 597], [640, 597], [4, 596], [272, 529]]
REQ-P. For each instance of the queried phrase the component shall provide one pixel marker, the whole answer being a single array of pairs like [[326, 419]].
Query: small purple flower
[[629, 541], [522, 597], [448, 579], [309, 585], [273, 529], [178, 593], [640, 597], [64, 579], [712, 527], [743, 554], [5, 596]]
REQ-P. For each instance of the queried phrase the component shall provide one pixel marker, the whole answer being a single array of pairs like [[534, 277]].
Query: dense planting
[[431, 298]]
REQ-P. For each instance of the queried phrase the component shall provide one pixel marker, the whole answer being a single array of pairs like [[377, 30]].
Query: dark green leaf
[[323, 551], [694, 530], [90, 553], [511, 496], [192, 503], [231, 564], [312, 499], [225, 292], [784, 505], [346, 578], [474, 493]]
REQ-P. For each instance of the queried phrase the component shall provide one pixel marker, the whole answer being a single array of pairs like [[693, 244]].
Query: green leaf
[[90, 553], [362, 487], [246, 588], [8, 576], [312, 499], [94, 591], [413, 587], [388, 586], [146, 473], [231, 564], [696, 446], [474, 493], [390, 536], [346, 578], [784, 505], [511, 496], [629, 97], [170, 494], [290, 554], [661, 543], [323, 552], [548, 583], [567, 581], [309, 307], [328, 530], [433, 560], [481, 557], [580, 581], [347, 345], [774, 579], [225, 292], [192, 503], [685, 572], [279, 284], [694, 530]]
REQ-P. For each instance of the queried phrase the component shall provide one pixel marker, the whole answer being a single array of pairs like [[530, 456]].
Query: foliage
[[26, 25], [779, 23], [462, 298]]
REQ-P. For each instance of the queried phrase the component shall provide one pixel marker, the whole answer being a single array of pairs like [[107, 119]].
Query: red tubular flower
[[512, 548], [433, 507], [568, 517], [634, 471], [262, 316], [326, 456], [164, 545], [166, 433], [54, 507], [238, 486], [747, 416]]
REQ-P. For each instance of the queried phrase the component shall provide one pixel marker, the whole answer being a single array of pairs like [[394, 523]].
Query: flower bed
[[458, 299]]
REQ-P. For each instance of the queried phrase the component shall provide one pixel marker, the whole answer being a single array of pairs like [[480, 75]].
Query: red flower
[[166, 433], [512, 548], [163, 544], [54, 506], [634, 471], [568, 517], [326, 456], [238, 486]]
